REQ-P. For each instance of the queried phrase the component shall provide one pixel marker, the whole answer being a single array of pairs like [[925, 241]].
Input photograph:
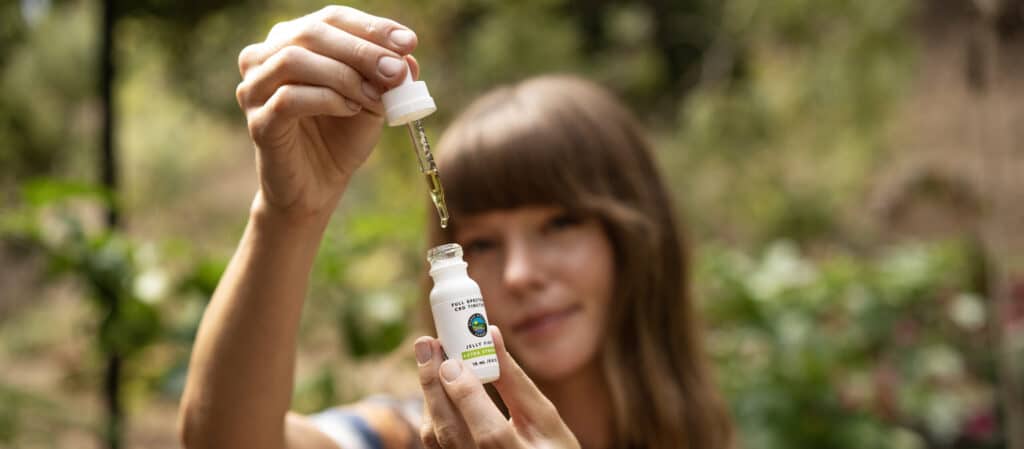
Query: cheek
[[594, 279], [589, 275], [494, 300], [592, 270]]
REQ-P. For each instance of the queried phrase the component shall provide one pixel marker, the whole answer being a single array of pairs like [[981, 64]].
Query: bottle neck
[[449, 271]]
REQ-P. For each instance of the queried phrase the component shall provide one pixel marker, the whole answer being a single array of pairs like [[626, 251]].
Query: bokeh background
[[850, 172]]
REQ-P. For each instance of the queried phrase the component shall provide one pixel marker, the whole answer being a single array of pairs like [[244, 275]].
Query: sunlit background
[[850, 172]]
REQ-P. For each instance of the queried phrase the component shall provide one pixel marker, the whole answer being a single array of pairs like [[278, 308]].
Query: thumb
[[414, 65]]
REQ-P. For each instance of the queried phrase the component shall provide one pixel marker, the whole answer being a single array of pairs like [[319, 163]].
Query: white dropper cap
[[407, 102]]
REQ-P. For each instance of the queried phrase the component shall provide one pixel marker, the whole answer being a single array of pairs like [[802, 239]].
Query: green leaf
[[46, 191]]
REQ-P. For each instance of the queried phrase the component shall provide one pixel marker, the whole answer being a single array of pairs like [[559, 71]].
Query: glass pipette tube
[[429, 169]]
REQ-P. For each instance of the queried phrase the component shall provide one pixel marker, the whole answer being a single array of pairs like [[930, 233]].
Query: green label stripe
[[479, 352]]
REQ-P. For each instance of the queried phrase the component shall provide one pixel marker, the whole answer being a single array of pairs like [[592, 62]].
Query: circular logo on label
[[477, 325]]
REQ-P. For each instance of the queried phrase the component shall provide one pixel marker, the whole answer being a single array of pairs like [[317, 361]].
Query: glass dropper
[[406, 104], [428, 168]]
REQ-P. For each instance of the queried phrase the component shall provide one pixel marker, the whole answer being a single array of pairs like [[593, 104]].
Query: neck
[[584, 403]]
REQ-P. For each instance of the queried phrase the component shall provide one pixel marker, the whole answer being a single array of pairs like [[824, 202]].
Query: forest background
[[850, 172]]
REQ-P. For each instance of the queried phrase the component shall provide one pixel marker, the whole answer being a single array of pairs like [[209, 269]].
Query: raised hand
[[311, 95]]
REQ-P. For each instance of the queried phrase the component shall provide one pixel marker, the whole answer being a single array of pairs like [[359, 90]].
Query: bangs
[[503, 166]]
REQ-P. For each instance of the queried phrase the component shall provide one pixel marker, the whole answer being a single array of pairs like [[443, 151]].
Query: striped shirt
[[349, 427]]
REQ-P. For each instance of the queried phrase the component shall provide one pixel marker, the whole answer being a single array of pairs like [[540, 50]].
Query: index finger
[[489, 427], [379, 30], [525, 402]]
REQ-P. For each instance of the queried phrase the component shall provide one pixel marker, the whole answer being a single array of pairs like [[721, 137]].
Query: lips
[[544, 322]]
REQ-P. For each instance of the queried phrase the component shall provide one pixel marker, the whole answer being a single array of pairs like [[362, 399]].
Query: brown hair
[[561, 140]]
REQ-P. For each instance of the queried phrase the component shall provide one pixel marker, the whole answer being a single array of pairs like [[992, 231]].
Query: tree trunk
[[108, 173]]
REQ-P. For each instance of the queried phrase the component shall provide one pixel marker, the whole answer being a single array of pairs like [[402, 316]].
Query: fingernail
[[353, 105], [371, 91], [402, 38], [389, 66], [450, 370], [423, 352]]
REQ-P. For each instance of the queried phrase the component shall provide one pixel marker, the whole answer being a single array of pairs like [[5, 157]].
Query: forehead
[[499, 218]]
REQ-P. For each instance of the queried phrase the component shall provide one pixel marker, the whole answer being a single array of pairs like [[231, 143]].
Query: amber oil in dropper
[[428, 168]]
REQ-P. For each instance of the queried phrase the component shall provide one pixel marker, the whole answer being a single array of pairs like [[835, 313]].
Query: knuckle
[[372, 28], [335, 11], [446, 441], [426, 432], [281, 100], [349, 78], [363, 51], [448, 435], [257, 126], [355, 20], [336, 102], [428, 438], [279, 28], [494, 437], [342, 13], [459, 392], [246, 58], [288, 57], [308, 33], [242, 94], [427, 379]]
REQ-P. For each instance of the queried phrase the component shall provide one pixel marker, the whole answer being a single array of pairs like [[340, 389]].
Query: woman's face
[[546, 278]]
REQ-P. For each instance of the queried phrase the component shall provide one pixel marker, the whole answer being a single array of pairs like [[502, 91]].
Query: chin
[[554, 362]]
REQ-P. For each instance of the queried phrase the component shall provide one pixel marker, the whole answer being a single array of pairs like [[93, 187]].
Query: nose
[[522, 272]]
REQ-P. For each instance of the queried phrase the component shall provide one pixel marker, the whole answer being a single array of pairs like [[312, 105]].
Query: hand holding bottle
[[460, 414], [311, 96]]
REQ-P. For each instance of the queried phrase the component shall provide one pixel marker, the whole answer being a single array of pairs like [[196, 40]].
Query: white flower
[[941, 361], [383, 307], [376, 270], [906, 439], [781, 269], [150, 286], [53, 230], [794, 328], [34, 11], [968, 311], [943, 416]]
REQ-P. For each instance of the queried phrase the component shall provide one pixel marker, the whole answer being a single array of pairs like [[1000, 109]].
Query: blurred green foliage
[[768, 118], [781, 149], [47, 74], [885, 351], [58, 222], [102, 261]]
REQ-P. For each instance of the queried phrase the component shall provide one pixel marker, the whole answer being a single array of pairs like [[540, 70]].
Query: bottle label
[[463, 330]]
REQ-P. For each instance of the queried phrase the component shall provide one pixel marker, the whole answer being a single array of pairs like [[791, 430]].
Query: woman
[[566, 226]]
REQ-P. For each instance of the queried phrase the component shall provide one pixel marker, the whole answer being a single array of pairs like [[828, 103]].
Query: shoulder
[[377, 422]]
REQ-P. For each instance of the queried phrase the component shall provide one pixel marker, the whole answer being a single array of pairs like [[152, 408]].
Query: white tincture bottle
[[459, 315]]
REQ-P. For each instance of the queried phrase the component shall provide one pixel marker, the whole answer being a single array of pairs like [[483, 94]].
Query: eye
[[562, 221], [478, 246]]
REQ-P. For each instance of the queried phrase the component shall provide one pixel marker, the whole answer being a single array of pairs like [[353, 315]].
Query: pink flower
[[980, 426], [1013, 315]]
